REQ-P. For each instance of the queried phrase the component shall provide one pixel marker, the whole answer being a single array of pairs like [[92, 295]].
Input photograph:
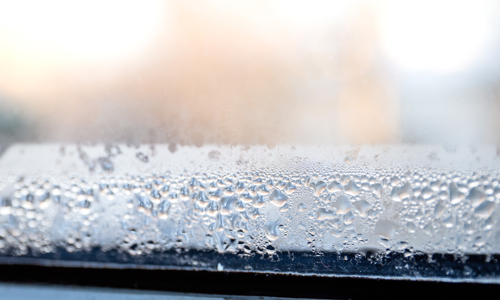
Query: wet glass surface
[[344, 138]]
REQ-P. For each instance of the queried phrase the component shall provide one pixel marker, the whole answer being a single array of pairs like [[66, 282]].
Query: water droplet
[[376, 189], [485, 209], [290, 188], [142, 157], [220, 267], [334, 187], [348, 218], [404, 192], [411, 227], [259, 201], [278, 198], [227, 203], [240, 206], [255, 213], [262, 189], [440, 207], [342, 204], [352, 189], [427, 192], [476, 196], [449, 221], [324, 214], [106, 164], [202, 200], [362, 206], [144, 204], [212, 208], [318, 187], [456, 196], [163, 209], [272, 230], [5, 207]]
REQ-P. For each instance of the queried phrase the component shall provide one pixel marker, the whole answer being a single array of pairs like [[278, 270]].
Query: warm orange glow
[[229, 71]]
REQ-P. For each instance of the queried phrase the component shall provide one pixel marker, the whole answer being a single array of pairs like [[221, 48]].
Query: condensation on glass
[[341, 138]]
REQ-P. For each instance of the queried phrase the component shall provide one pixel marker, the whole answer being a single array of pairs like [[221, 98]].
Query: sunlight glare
[[77, 31], [439, 36]]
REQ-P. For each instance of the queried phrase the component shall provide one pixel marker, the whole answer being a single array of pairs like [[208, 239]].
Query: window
[[347, 140]]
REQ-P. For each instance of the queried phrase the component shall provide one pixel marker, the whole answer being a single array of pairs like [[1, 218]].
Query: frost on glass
[[403, 211]]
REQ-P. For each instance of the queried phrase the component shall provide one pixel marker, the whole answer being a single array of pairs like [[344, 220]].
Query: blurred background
[[250, 72]]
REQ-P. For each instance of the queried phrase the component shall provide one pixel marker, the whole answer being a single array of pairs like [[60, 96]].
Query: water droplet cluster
[[255, 210]]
